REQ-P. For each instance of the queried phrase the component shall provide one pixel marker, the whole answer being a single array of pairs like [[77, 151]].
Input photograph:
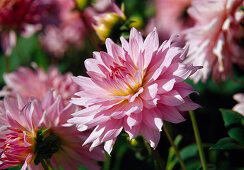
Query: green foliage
[[189, 155], [172, 160], [1, 69], [82, 168], [233, 123], [227, 143], [15, 168]]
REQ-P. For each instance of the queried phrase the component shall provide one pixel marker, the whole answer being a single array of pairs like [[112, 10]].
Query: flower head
[[214, 41], [67, 31], [37, 83], [173, 18], [24, 16], [134, 87], [34, 131], [240, 106]]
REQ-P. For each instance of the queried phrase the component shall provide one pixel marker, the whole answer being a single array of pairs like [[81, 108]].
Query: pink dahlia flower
[[172, 17], [134, 87], [37, 83], [214, 42], [69, 30], [240, 106], [23, 16], [33, 131]]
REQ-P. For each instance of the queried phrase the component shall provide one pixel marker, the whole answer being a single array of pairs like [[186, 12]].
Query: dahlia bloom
[[20, 15], [134, 87], [171, 17], [37, 83], [240, 106], [33, 131], [66, 31], [214, 40]]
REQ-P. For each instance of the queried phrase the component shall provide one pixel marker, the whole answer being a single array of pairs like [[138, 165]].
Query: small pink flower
[[24, 16], [37, 83], [21, 142], [134, 87], [214, 43], [171, 17], [240, 106]]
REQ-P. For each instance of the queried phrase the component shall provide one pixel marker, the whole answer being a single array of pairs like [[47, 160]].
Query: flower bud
[[107, 21], [82, 4], [136, 21]]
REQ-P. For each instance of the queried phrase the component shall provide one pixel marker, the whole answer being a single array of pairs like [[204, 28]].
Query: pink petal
[[150, 92], [133, 131], [150, 45], [239, 108], [188, 105], [172, 98], [170, 114], [152, 119], [151, 135], [134, 119], [184, 89], [109, 145]]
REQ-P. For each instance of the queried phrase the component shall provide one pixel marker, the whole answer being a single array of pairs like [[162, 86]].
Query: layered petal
[[134, 87]]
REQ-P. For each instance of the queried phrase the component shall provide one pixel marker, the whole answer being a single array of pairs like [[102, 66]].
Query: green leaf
[[242, 8], [81, 168], [15, 168], [189, 152], [233, 123], [227, 143]]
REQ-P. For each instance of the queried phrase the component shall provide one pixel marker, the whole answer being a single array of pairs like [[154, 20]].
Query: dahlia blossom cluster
[[33, 132], [24, 16], [37, 83], [134, 87], [216, 39]]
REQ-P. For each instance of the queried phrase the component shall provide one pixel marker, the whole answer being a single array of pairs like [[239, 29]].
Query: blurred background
[[68, 38]]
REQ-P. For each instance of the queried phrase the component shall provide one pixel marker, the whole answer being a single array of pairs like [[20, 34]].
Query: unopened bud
[[107, 21], [82, 4], [136, 21]]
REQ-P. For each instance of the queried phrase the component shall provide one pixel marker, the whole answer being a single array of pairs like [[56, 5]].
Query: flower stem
[[6, 64], [198, 140], [49, 165], [174, 147], [106, 165], [44, 165], [156, 155]]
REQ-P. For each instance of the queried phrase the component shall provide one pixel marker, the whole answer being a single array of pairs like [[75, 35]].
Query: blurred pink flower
[[69, 30], [134, 87], [23, 16], [171, 17], [37, 83], [23, 119], [214, 42], [240, 106]]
